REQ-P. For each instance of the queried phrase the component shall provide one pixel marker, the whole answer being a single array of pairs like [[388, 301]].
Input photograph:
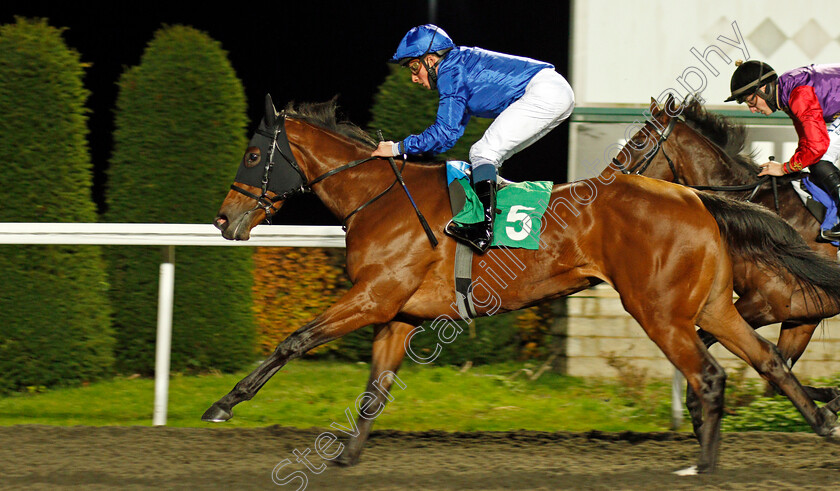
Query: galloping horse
[[663, 247], [704, 150]]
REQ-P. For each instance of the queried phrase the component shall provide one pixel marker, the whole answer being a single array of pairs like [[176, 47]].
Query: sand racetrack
[[45, 457]]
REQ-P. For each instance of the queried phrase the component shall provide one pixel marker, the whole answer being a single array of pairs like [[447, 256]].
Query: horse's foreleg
[[362, 305], [707, 380], [793, 339], [388, 353]]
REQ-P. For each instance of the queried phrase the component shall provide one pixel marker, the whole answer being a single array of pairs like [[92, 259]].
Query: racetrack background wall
[[596, 333], [624, 53]]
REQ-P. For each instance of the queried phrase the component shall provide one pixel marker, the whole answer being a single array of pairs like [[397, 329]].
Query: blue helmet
[[421, 40]]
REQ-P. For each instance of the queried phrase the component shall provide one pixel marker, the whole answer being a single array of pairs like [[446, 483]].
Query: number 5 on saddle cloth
[[522, 206]]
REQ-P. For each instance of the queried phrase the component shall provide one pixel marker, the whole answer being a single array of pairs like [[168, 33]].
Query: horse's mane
[[323, 115], [730, 137]]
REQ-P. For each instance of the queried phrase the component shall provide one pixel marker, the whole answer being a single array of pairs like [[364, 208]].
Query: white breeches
[[548, 101]]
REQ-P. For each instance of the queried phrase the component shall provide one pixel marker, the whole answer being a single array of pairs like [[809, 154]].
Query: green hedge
[[55, 326], [180, 132]]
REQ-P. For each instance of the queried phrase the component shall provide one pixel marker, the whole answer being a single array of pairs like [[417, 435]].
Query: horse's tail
[[757, 235]]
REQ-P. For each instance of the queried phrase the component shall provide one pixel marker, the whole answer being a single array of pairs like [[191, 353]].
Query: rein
[[277, 144], [642, 166], [745, 187], [350, 166]]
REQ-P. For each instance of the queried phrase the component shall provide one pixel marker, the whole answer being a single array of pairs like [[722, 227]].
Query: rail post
[[166, 294]]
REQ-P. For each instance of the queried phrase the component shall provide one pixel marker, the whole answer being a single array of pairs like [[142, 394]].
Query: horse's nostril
[[221, 222]]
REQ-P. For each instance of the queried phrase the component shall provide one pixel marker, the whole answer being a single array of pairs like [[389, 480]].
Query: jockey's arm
[[807, 115]]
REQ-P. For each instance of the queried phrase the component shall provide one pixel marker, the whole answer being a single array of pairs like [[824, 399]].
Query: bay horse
[[664, 248], [690, 146]]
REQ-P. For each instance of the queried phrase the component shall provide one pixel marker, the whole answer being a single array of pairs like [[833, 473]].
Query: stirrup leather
[[478, 235]]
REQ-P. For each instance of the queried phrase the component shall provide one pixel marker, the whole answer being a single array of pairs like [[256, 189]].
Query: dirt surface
[[44, 457]]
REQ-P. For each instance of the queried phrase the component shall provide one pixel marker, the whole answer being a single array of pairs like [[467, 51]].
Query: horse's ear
[[654, 107], [270, 112], [670, 101]]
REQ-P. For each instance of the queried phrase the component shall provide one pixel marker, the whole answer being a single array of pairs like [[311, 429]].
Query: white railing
[[168, 236]]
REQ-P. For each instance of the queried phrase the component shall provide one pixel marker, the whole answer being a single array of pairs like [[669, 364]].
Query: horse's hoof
[[344, 460], [216, 414], [689, 471]]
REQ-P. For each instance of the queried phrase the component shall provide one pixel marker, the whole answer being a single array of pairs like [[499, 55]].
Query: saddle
[[817, 201], [518, 228]]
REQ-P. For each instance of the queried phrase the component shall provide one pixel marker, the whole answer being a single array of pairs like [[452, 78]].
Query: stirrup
[[830, 235], [462, 233]]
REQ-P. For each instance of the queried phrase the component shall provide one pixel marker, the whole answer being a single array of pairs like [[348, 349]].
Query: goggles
[[414, 67], [750, 99]]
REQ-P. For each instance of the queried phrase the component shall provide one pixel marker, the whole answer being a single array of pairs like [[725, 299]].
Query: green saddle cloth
[[522, 205]]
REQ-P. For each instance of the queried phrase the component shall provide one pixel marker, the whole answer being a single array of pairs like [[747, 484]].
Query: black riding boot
[[479, 235], [825, 175]]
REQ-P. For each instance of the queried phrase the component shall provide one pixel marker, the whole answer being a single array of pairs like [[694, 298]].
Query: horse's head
[[267, 175], [644, 148], [684, 143]]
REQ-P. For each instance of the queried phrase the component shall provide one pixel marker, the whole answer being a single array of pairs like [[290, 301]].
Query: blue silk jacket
[[472, 82]]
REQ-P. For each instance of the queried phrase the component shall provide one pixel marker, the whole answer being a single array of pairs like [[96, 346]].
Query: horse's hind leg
[[736, 335], [388, 353], [692, 402], [708, 379]]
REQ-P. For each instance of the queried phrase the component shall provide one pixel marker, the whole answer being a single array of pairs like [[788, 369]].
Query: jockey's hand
[[771, 168], [385, 149]]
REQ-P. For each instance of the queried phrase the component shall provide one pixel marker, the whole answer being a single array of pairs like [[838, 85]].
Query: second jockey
[[810, 95]]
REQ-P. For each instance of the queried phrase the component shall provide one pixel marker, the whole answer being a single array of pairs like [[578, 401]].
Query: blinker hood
[[276, 169]]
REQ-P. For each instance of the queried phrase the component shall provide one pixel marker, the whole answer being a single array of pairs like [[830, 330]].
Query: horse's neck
[[347, 190], [788, 202], [717, 169]]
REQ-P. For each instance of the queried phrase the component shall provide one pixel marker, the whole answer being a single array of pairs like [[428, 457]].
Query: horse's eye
[[251, 158]]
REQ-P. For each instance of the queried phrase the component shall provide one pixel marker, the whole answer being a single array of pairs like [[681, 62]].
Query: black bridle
[[294, 183], [287, 179], [642, 166], [277, 178]]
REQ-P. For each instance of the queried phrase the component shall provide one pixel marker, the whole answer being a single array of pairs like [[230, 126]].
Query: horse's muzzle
[[221, 222]]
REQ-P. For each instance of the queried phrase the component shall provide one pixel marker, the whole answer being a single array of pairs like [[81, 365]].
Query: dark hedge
[[180, 133], [55, 327]]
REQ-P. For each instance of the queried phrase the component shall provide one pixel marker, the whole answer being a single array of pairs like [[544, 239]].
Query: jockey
[[810, 95], [526, 97]]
